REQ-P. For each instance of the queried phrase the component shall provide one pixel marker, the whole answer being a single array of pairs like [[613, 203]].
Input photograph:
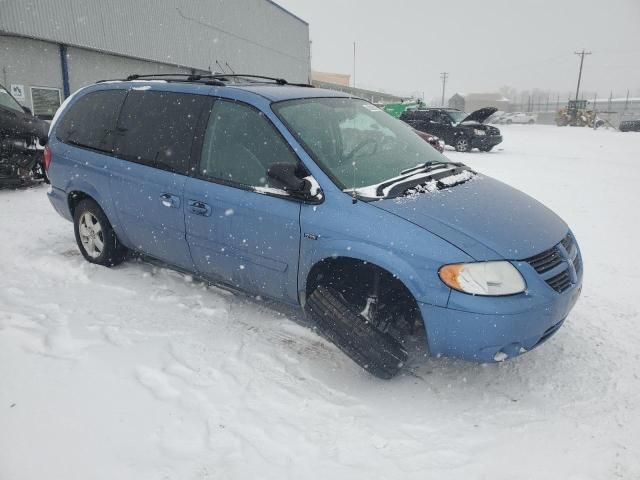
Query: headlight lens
[[483, 278], [479, 132]]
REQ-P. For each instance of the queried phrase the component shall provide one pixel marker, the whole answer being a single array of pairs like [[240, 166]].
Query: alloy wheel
[[462, 145], [91, 235]]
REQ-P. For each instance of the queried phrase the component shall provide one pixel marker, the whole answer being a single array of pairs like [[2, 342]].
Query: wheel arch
[[382, 259], [78, 191], [362, 279]]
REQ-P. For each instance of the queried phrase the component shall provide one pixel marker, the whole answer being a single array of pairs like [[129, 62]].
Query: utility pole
[[354, 64], [443, 76], [582, 54], [626, 101]]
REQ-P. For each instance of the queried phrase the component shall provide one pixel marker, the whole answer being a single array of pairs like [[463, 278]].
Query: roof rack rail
[[279, 81], [190, 77], [217, 79]]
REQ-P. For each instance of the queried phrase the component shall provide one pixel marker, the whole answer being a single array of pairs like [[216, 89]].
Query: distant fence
[[613, 110]]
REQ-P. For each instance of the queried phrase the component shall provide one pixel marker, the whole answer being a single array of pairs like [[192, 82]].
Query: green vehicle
[[397, 109]]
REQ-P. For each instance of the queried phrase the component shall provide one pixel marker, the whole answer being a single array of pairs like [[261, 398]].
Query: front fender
[[340, 228], [421, 288]]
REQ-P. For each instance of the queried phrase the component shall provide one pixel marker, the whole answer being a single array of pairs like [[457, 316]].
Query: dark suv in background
[[459, 129]]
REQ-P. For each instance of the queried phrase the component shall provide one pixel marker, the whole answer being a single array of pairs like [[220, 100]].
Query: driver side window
[[240, 145]]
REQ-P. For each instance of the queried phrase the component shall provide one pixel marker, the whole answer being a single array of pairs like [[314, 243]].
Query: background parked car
[[20, 159], [519, 117], [432, 140], [459, 129], [630, 126], [495, 118]]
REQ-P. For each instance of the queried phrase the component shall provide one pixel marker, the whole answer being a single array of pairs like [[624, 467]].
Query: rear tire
[[486, 149], [378, 353], [95, 236]]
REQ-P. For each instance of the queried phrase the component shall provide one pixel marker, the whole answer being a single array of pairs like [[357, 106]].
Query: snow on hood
[[480, 115], [485, 218]]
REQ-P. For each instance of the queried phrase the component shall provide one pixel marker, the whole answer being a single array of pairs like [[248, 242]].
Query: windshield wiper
[[427, 166], [403, 183]]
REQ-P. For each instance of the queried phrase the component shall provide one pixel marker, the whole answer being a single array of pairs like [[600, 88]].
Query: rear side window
[[158, 128], [90, 122]]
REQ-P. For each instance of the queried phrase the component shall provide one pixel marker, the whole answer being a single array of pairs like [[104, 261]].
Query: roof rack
[[210, 79], [189, 77], [226, 77]]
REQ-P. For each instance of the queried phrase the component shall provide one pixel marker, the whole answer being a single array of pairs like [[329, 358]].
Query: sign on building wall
[[18, 92], [45, 101]]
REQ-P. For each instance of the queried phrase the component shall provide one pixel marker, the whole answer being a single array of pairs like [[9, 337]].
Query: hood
[[22, 125], [485, 218], [480, 115]]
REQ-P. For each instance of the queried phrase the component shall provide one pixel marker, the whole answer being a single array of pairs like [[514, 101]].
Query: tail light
[[48, 156]]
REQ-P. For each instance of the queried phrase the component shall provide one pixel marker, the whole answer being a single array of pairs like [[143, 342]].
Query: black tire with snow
[[113, 252], [377, 352], [463, 144]]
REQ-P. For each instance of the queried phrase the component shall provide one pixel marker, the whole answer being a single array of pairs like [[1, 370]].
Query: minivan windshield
[[353, 141]]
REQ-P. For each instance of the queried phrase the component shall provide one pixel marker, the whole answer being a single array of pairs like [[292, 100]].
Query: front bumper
[[486, 141], [488, 337]]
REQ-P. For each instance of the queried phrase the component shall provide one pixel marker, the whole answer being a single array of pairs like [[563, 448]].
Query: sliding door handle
[[199, 208]]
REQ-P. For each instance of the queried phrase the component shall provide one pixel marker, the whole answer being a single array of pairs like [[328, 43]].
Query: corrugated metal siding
[[253, 36]]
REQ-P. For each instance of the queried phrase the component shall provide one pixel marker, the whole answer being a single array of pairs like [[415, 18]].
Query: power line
[[443, 76], [582, 54]]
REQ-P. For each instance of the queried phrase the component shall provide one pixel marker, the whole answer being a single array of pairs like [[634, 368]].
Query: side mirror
[[27, 110], [289, 177]]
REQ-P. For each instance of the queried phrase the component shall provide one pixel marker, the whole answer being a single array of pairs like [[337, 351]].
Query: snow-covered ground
[[140, 373]]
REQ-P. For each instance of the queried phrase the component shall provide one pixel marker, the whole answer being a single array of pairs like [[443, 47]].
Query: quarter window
[[158, 128], [91, 120], [240, 145]]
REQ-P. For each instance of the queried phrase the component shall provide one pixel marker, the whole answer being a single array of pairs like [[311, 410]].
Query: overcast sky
[[403, 45]]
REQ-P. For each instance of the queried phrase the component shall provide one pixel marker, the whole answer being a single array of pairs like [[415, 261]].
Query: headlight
[[483, 278], [479, 132]]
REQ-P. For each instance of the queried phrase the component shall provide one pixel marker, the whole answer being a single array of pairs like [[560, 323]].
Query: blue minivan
[[314, 198]]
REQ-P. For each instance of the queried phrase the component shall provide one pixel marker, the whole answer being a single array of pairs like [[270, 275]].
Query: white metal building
[[48, 49]]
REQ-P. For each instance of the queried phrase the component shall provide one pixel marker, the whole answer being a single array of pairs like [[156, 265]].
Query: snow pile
[[142, 373]]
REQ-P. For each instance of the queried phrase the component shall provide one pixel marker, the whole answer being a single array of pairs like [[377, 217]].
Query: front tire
[[463, 144], [379, 353], [486, 149], [95, 236]]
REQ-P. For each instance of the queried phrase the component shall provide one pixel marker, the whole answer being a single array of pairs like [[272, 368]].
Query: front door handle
[[170, 201], [199, 208]]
